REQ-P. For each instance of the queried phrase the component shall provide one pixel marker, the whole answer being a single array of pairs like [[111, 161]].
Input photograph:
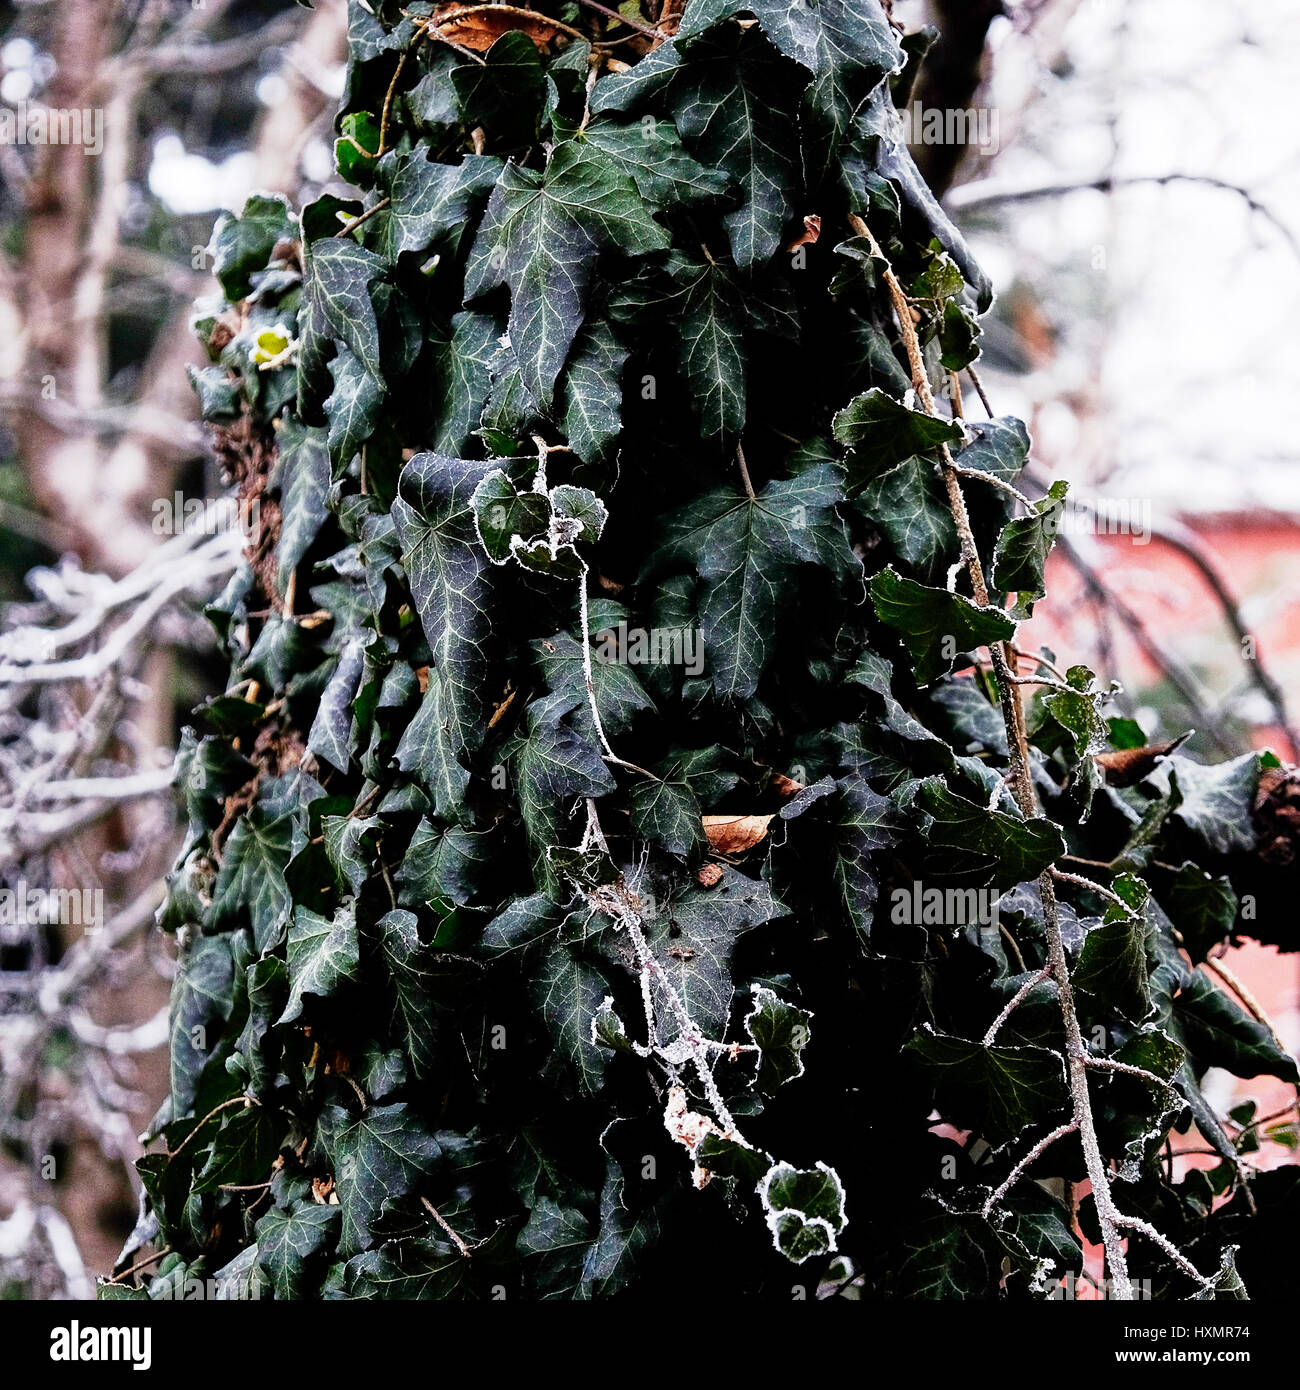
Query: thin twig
[[1253, 1006], [216, 1110], [442, 1221], [1014, 1176], [351, 227], [744, 473], [141, 1264], [1016, 1000]]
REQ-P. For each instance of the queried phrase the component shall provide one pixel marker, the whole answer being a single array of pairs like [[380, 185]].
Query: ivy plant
[[633, 852]]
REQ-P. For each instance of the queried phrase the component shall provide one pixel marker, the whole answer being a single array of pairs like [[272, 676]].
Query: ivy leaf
[[621, 1235], [403, 953], [381, 1152], [251, 877], [651, 154], [559, 757], [447, 573], [693, 940], [909, 506], [201, 1002], [711, 350], [854, 49], [555, 1241], [1218, 800], [882, 433], [1203, 907], [330, 734], [429, 199], [668, 810], [323, 955], [445, 862], [804, 1209], [422, 1268], [1023, 548], [780, 1031], [618, 692], [242, 245], [936, 625], [1001, 1092], [461, 380], [568, 992], [337, 276], [243, 1149], [303, 476], [1011, 849], [746, 550], [590, 394], [1219, 1032], [944, 1261], [1112, 965], [865, 823], [505, 92], [734, 104], [543, 232], [288, 1242], [999, 448], [506, 515]]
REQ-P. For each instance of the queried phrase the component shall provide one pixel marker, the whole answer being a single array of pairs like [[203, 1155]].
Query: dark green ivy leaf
[[936, 625]]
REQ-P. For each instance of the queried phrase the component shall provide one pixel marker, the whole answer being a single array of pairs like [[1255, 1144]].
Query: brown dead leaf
[[735, 834], [812, 229], [1130, 765], [480, 31], [709, 875], [422, 678], [322, 1189], [785, 786]]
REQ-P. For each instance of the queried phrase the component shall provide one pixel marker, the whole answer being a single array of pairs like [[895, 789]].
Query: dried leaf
[[735, 834], [479, 31], [1129, 766]]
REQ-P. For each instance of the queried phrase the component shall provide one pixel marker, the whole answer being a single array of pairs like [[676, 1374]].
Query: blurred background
[[1126, 173]]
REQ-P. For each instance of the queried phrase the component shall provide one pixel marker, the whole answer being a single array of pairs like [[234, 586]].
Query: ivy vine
[[633, 851]]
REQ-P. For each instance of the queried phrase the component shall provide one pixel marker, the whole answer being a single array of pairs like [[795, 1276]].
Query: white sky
[[1187, 329]]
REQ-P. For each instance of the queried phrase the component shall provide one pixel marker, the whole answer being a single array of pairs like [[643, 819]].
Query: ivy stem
[[589, 680], [1015, 1174], [744, 473], [442, 1221], [351, 227], [1013, 717], [622, 18], [1253, 1006], [1015, 1001], [216, 1110], [141, 1264]]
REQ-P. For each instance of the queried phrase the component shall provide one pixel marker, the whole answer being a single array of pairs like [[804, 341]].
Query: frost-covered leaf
[[1001, 1092], [780, 1032]]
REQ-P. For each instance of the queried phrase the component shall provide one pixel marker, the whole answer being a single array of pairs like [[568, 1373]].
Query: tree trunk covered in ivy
[[631, 827]]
